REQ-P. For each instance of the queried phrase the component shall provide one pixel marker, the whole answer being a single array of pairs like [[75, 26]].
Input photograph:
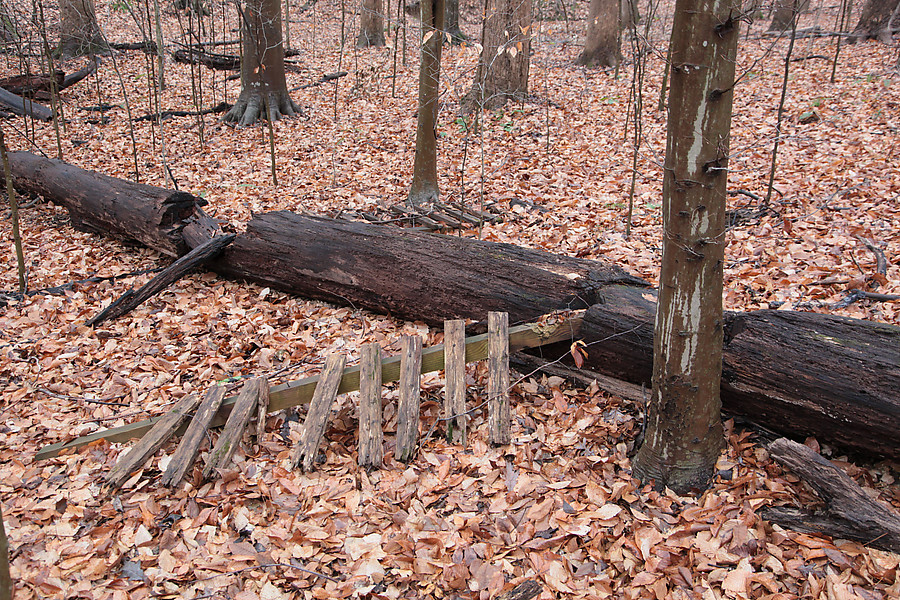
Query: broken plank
[[409, 397], [262, 409], [498, 378], [455, 380], [234, 428], [370, 453], [164, 428], [299, 392], [189, 446], [319, 413]]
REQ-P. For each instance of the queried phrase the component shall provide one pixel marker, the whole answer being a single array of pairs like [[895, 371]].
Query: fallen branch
[[178, 269], [219, 62], [22, 106], [849, 512], [323, 79], [167, 114]]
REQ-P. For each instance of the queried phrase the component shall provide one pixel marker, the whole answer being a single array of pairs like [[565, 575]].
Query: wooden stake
[[498, 378], [319, 413], [262, 408], [190, 444], [154, 439], [237, 422], [455, 378], [408, 405], [371, 437]]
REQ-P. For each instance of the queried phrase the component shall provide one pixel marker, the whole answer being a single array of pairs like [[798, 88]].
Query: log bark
[[97, 203], [411, 275], [797, 373]]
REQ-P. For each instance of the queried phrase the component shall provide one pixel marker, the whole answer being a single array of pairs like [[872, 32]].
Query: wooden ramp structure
[[192, 417]]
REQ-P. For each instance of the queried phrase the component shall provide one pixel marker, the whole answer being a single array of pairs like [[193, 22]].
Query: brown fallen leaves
[[558, 506]]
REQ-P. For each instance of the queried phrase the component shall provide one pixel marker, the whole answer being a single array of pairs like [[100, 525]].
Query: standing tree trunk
[[371, 24], [79, 33], [784, 14], [878, 21], [451, 18], [263, 85], [505, 56], [683, 422], [601, 43], [629, 15], [424, 186]]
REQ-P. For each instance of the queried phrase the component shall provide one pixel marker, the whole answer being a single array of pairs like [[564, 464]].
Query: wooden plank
[[196, 431], [295, 393], [455, 380], [319, 413], [234, 429], [498, 378], [262, 409], [162, 430], [371, 437], [408, 404]]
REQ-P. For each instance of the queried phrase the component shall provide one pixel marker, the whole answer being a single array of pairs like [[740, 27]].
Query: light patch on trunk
[[693, 157]]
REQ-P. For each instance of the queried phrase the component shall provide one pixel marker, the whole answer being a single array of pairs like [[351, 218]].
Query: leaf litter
[[558, 505]]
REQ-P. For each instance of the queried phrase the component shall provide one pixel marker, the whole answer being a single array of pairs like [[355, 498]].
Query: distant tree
[[601, 43], [502, 71], [784, 14], [79, 33], [263, 86], [424, 186], [683, 435], [451, 18], [878, 20], [371, 24]]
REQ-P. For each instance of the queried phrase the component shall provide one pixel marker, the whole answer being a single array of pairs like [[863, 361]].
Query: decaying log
[[801, 374], [178, 269], [97, 203], [409, 274], [164, 429], [849, 512], [798, 373], [23, 106]]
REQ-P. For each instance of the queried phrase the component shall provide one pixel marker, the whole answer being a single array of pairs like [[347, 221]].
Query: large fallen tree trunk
[[797, 373]]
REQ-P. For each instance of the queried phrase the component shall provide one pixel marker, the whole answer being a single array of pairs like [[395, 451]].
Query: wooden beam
[[294, 393]]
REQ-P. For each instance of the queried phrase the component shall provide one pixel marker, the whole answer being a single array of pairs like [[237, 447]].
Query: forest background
[[560, 506]]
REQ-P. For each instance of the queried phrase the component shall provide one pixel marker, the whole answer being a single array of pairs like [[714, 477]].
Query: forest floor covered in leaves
[[558, 505]]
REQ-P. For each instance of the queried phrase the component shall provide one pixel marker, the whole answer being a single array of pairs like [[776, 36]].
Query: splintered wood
[[498, 378], [455, 380], [371, 436], [319, 412], [189, 446], [240, 416], [408, 405]]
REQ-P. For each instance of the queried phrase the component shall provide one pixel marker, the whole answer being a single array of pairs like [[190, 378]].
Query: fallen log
[[97, 203], [802, 374], [409, 274], [797, 373], [22, 106]]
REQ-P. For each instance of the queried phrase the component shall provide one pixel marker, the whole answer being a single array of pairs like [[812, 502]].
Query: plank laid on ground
[[498, 378], [162, 430], [262, 409], [371, 437], [319, 412], [455, 380], [189, 446], [408, 403], [178, 269], [299, 392], [234, 428]]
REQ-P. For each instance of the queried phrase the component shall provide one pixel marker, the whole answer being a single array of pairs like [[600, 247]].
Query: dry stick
[[14, 209], [160, 50], [262, 408], [318, 414], [371, 437], [237, 422], [270, 116], [154, 439], [54, 88], [846, 6], [498, 378], [784, 85], [408, 404], [455, 376], [189, 446], [137, 171]]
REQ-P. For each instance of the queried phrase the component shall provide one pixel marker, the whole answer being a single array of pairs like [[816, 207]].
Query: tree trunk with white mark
[[684, 428]]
